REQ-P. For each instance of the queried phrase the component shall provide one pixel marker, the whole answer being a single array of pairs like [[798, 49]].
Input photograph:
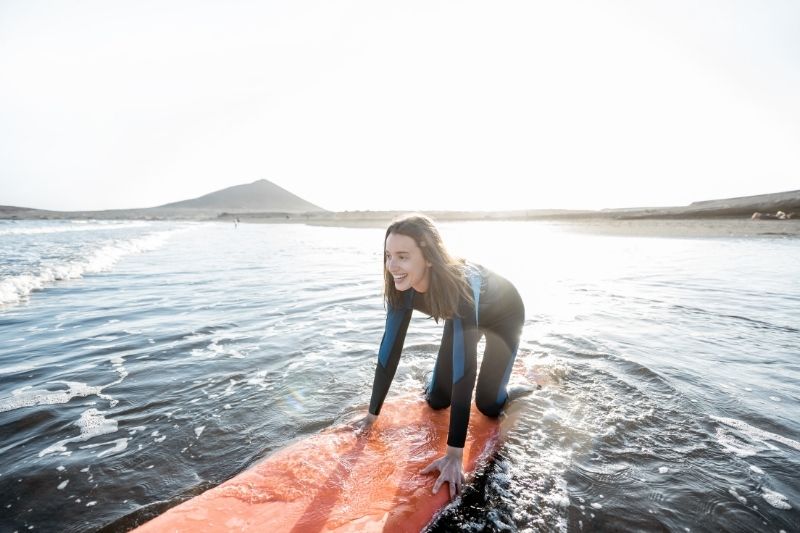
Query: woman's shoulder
[[471, 268]]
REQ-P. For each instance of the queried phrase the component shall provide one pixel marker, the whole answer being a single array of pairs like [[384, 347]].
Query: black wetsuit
[[500, 316]]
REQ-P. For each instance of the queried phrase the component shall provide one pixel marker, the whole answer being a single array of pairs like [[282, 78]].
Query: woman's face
[[406, 264]]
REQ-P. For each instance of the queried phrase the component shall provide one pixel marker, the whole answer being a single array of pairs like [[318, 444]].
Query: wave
[[16, 288], [73, 228], [753, 434]]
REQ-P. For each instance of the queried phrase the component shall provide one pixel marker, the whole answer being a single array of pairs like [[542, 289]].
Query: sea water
[[144, 362]]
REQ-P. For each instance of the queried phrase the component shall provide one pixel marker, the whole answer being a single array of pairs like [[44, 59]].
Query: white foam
[[118, 363], [756, 433], [69, 229], [756, 469], [663, 470], [736, 446], [26, 397], [736, 495], [120, 445], [199, 431], [775, 499], [16, 288], [259, 379], [63, 484], [92, 424], [597, 506]]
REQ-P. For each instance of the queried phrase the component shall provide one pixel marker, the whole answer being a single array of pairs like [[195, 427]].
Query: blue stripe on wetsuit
[[397, 319], [474, 276], [394, 319], [475, 282], [459, 353]]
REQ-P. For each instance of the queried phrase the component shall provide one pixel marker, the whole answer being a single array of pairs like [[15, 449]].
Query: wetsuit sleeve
[[394, 335], [465, 362]]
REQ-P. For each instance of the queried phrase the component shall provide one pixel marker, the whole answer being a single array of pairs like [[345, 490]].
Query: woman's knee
[[437, 403], [489, 406]]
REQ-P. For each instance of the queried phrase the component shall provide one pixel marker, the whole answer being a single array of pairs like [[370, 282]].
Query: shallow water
[[142, 363]]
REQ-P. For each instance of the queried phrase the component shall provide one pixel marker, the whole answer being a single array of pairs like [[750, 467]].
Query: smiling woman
[[421, 274], [406, 264]]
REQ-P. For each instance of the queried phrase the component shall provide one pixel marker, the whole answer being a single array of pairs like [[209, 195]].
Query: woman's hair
[[447, 286]]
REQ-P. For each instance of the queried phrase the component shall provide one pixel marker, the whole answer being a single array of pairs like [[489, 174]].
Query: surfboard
[[338, 480]]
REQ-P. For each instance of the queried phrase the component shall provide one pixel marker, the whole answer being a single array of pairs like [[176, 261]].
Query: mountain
[[263, 200], [743, 206], [259, 196], [785, 201]]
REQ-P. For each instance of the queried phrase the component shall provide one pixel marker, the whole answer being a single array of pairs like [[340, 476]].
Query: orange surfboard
[[340, 481]]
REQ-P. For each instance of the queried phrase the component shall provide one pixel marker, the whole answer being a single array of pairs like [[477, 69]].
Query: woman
[[420, 274]]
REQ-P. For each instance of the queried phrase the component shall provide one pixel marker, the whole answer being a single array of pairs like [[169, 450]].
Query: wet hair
[[448, 285]]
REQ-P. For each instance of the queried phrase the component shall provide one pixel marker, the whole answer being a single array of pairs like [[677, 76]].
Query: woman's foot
[[517, 391]]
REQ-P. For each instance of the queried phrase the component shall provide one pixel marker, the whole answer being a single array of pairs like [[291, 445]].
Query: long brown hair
[[447, 286]]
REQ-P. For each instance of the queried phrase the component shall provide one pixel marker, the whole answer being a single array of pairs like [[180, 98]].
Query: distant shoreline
[[786, 204], [381, 217], [673, 227]]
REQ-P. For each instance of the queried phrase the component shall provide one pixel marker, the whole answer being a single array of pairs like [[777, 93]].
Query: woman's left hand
[[450, 471]]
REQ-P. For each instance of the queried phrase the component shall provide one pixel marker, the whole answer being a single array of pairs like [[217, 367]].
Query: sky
[[372, 105]]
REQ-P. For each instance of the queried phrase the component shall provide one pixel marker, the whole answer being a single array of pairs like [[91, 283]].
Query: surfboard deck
[[340, 481]]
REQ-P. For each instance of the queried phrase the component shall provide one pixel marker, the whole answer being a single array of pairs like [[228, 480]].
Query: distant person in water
[[419, 273]]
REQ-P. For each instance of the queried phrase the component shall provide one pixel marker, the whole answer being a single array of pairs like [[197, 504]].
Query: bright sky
[[399, 105]]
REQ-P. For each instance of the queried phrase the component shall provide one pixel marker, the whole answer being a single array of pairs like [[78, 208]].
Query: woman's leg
[[498, 360]]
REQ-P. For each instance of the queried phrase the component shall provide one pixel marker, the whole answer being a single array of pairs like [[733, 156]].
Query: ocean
[[142, 363]]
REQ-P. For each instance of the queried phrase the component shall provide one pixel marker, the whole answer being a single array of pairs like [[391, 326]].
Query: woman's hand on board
[[450, 471]]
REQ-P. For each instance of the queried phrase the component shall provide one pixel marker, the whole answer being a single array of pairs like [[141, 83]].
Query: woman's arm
[[394, 336], [465, 362]]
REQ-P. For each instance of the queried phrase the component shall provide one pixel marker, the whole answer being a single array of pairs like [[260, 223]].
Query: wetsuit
[[500, 314]]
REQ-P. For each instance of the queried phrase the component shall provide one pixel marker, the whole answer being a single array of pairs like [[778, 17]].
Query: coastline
[[766, 214], [599, 224]]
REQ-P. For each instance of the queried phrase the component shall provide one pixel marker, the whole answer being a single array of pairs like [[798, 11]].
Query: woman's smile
[[406, 263]]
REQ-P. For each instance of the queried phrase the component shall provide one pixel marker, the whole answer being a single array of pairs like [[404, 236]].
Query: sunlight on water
[[667, 367]]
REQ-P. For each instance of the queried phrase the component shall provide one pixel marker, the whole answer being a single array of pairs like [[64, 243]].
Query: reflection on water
[[668, 365]]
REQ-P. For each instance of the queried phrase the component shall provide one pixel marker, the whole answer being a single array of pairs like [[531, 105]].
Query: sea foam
[[26, 397], [73, 228], [755, 433], [775, 499], [92, 424], [16, 288]]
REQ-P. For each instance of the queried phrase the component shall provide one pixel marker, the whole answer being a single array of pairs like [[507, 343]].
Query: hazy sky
[[399, 105]]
